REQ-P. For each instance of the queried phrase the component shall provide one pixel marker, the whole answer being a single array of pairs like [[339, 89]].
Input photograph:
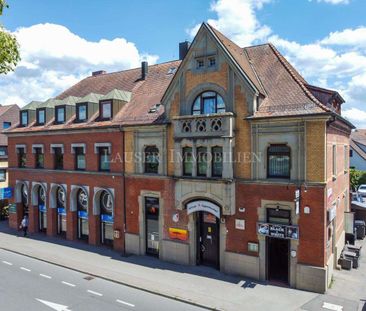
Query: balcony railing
[[213, 125]]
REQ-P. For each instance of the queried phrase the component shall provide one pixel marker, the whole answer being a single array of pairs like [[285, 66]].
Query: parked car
[[362, 190]]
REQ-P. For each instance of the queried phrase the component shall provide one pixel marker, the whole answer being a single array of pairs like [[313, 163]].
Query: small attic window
[[212, 62], [172, 70], [200, 63], [154, 108]]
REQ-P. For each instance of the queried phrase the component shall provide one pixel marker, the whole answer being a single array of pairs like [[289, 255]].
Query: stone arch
[[18, 190], [96, 199], [35, 187], [73, 194], [53, 194], [200, 196]]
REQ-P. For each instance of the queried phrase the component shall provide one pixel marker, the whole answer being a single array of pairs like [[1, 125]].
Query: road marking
[[45, 276], [330, 306], [125, 303], [54, 306], [94, 293], [25, 269], [7, 263], [68, 284]]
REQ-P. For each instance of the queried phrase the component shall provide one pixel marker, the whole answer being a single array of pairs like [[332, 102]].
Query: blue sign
[[6, 193], [83, 214], [106, 218], [42, 208], [61, 211]]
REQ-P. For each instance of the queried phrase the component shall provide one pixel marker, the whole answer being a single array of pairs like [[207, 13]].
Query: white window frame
[[81, 145], [53, 146], [34, 146], [99, 145]]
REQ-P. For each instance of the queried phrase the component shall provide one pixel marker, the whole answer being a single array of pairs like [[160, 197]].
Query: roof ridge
[[285, 63], [254, 70]]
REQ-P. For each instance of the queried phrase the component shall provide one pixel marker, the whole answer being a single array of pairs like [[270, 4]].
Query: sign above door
[[203, 206]]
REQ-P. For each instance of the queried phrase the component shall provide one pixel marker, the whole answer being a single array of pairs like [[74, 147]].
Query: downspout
[[124, 189]]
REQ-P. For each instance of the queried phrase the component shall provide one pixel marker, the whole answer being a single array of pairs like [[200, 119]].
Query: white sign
[[240, 224], [204, 206], [332, 213]]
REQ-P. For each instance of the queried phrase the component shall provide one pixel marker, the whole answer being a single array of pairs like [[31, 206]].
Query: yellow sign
[[178, 234]]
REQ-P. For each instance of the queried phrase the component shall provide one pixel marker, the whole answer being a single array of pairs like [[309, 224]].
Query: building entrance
[[278, 259], [208, 226]]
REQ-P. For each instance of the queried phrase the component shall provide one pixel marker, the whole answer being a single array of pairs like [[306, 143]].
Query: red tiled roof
[[284, 86], [359, 136]]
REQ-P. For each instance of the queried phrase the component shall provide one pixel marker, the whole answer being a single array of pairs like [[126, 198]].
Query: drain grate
[[89, 278]]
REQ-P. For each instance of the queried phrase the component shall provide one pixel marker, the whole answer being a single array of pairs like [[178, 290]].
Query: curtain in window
[[279, 161]]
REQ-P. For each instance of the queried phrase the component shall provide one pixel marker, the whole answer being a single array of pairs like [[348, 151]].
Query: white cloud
[[54, 58], [237, 20], [356, 116], [335, 1], [347, 37]]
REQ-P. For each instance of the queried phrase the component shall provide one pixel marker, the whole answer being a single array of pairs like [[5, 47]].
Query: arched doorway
[[207, 223], [42, 212], [82, 213], [106, 218], [24, 199], [61, 211]]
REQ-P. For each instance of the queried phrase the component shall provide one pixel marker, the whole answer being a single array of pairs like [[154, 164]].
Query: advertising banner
[[278, 231]]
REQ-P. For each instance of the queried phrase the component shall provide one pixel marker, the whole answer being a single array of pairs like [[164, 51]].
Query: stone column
[[51, 221], [33, 219]]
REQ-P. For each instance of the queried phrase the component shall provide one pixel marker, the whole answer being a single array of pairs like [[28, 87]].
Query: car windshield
[[363, 187]]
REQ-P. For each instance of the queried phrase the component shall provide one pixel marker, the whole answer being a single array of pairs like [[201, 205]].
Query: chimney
[[183, 49], [99, 72], [144, 70]]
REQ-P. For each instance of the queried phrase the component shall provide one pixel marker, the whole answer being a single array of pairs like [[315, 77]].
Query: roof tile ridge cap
[[254, 70], [297, 80]]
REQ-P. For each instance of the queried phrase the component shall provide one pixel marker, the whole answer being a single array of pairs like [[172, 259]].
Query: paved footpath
[[201, 286]]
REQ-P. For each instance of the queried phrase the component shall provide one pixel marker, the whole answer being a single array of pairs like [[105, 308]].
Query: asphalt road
[[33, 285]]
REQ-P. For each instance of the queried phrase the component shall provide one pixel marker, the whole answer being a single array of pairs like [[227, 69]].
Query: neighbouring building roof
[[356, 148], [359, 136], [8, 113]]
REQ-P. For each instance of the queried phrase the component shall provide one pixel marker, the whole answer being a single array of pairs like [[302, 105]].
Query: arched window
[[60, 196], [151, 160], [82, 200], [106, 203], [278, 159], [24, 192], [41, 195], [207, 103]]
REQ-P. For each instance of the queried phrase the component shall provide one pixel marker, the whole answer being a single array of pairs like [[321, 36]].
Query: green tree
[[357, 178], [9, 47]]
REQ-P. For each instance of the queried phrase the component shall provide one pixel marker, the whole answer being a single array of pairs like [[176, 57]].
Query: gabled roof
[[354, 145], [33, 105], [359, 136]]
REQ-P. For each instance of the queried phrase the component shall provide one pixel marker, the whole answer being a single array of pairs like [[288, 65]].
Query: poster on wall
[[178, 234], [278, 231]]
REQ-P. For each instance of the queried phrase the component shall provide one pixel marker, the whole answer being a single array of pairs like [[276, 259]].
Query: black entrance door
[[278, 259], [208, 239]]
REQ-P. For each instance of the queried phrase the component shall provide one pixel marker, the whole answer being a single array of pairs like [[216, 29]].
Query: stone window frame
[[289, 153], [144, 159], [53, 146]]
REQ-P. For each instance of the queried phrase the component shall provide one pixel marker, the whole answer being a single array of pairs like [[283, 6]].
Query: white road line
[[94, 293], [7, 263], [45, 276], [125, 303], [331, 306], [68, 284], [25, 269]]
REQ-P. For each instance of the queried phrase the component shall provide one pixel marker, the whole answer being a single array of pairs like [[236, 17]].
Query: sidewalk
[[201, 286]]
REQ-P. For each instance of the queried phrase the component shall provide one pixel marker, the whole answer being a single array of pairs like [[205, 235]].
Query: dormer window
[[208, 103], [81, 112], [106, 110], [41, 116], [24, 118], [60, 114]]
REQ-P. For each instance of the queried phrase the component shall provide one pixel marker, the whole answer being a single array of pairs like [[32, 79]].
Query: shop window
[[60, 114], [104, 159], [58, 158], [6, 125], [106, 203], [22, 158], [201, 161], [278, 160], [41, 116], [106, 110], [152, 226], [3, 151], [80, 162], [24, 118], [187, 161], [81, 112], [2, 175], [60, 196], [151, 155], [208, 103], [217, 161], [39, 157]]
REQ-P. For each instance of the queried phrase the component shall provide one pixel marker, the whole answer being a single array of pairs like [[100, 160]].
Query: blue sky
[[63, 41]]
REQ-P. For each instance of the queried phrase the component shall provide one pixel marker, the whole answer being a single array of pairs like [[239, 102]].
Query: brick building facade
[[226, 158]]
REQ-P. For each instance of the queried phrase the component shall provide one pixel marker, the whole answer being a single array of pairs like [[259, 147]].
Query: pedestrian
[[24, 225]]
